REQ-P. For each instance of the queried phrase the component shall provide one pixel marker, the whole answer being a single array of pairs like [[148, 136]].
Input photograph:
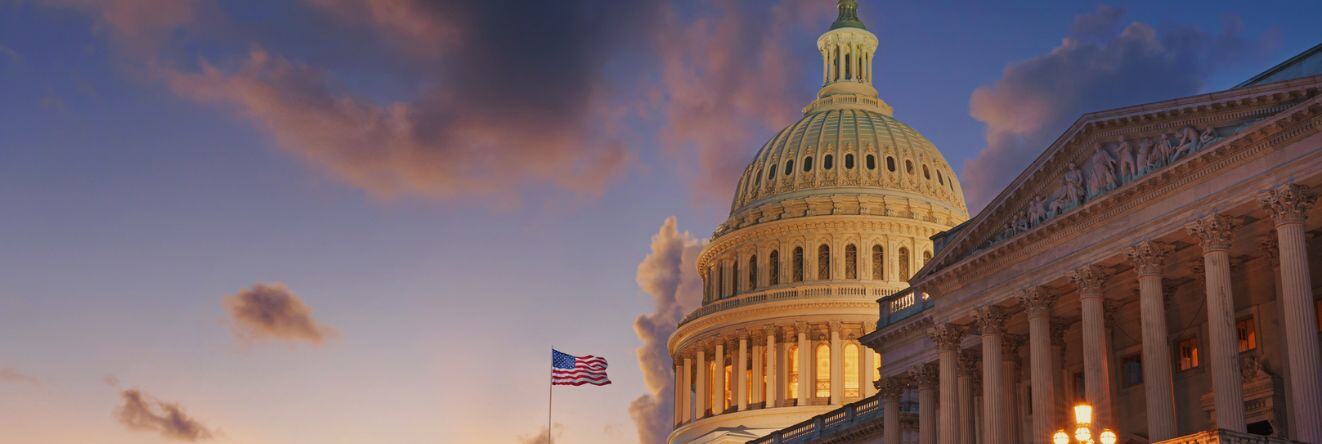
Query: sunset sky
[[354, 221]]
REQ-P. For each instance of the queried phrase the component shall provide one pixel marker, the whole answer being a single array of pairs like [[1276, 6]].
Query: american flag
[[568, 369]]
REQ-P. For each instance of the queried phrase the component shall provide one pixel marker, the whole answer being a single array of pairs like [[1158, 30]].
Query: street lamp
[[1083, 429]]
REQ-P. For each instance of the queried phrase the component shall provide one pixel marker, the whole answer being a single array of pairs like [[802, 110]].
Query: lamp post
[[1083, 429]]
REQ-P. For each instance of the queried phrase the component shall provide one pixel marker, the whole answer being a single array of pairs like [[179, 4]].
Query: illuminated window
[[851, 262], [798, 264], [823, 262], [1248, 334], [1188, 352], [792, 382], [726, 397], [775, 267], [752, 272], [878, 263], [851, 371], [876, 367], [711, 386], [904, 263], [1131, 371], [823, 379]]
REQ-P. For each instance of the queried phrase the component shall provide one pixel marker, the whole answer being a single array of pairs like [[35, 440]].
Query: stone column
[[718, 379], [837, 366], [947, 338], [804, 376], [757, 395], [869, 372], [677, 400], [968, 369], [1096, 365], [773, 394], [1289, 205], [926, 378], [741, 384], [1215, 234], [1037, 305], [700, 397], [891, 388], [1010, 381], [991, 321], [1158, 387], [686, 395]]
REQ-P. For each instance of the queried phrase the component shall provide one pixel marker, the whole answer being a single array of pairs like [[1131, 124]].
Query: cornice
[[864, 308]]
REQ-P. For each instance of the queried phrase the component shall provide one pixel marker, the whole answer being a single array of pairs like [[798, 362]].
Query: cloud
[[1103, 64], [669, 275], [272, 312], [137, 413], [540, 437], [11, 375], [728, 80]]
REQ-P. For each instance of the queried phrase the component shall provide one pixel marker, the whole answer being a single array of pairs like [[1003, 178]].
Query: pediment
[[1104, 153]]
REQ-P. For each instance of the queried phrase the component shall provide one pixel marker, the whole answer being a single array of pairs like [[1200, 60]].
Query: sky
[[350, 221]]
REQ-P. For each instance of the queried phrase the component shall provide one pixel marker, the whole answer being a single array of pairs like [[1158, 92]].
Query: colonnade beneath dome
[[1228, 337], [798, 364]]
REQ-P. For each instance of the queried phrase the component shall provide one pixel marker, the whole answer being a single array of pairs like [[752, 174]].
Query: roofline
[[1281, 66]]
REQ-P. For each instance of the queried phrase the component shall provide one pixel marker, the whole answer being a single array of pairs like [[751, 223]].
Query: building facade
[[1157, 262], [834, 212]]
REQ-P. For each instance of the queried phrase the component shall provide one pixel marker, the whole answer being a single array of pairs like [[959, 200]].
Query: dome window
[[807, 164], [926, 173], [757, 179], [908, 166], [849, 161], [890, 164], [872, 162], [940, 178], [827, 163], [789, 166], [771, 174]]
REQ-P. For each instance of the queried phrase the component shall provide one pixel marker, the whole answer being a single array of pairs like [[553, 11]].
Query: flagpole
[[550, 392]]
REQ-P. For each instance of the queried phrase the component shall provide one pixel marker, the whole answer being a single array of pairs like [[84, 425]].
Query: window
[[752, 272], [926, 174], [890, 163], [904, 263], [798, 264], [851, 371], [826, 162], [849, 161], [734, 277], [872, 162], [1188, 352], [711, 386], [823, 380], [927, 256], [1248, 334], [878, 263], [823, 262], [807, 164], [792, 362], [1131, 371], [876, 367], [908, 166], [789, 166], [727, 396], [720, 281], [851, 262], [711, 282], [757, 179], [775, 267], [939, 178], [771, 174]]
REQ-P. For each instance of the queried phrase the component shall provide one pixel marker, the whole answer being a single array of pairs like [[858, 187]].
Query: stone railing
[[867, 410], [901, 306], [1222, 436], [829, 289]]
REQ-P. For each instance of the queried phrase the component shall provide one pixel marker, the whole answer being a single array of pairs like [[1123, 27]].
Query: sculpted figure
[[1102, 177], [1073, 191], [1144, 160], [1037, 211], [1125, 153], [1021, 222], [1164, 151], [1187, 143], [1058, 205], [1206, 138]]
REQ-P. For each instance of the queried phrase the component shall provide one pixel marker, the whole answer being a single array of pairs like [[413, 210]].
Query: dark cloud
[[1036, 99], [11, 375], [168, 419], [272, 312], [669, 275]]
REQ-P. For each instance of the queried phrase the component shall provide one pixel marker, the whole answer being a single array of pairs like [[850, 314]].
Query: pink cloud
[[168, 419], [271, 312]]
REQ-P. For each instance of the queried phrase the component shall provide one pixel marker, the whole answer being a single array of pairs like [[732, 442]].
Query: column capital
[[741, 333], [1214, 232], [892, 387], [1289, 203], [946, 336], [990, 320], [1089, 279], [926, 375], [1149, 256], [834, 327], [1036, 301]]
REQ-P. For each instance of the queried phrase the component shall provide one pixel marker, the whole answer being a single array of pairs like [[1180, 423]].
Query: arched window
[[852, 371], [789, 166], [792, 361], [734, 277], [872, 162], [720, 280], [890, 163], [904, 263], [775, 267], [941, 179], [823, 380], [807, 164], [908, 166], [849, 161], [757, 179], [727, 398], [711, 386], [926, 174], [711, 283], [771, 174], [752, 272], [851, 262], [878, 263], [826, 162], [823, 262], [927, 256], [798, 264]]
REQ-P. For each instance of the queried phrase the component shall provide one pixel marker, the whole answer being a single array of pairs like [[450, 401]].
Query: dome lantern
[[847, 50]]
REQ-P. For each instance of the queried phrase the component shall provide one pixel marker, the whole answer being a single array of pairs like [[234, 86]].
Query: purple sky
[[346, 221]]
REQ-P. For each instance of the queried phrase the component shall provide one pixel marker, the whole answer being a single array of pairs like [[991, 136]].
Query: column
[[890, 388], [926, 377], [718, 379], [1096, 365], [686, 397], [1037, 306], [991, 321], [700, 397], [1289, 205], [759, 382], [676, 398], [968, 369], [947, 338], [741, 384], [869, 372], [1215, 234], [804, 376], [1158, 387], [773, 394], [1010, 383], [1058, 329], [837, 366]]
